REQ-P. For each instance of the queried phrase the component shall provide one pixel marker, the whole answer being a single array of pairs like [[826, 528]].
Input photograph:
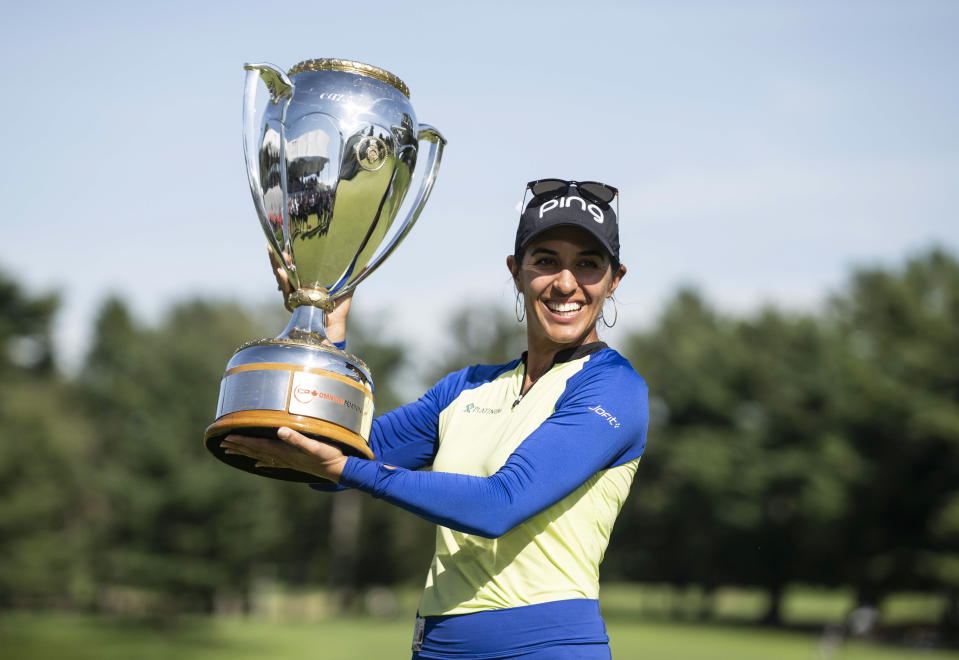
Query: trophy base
[[263, 424], [312, 388]]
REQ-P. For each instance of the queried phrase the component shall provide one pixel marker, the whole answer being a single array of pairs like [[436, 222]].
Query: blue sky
[[762, 149]]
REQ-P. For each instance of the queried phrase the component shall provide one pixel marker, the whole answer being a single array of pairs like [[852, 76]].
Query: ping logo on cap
[[564, 202]]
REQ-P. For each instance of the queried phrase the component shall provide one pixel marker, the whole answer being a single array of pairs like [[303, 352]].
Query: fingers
[[246, 442], [290, 450], [265, 452], [266, 448], [291, 437], [319, 448], [300, 441], [282, 280], [275, 258], [274, 261]]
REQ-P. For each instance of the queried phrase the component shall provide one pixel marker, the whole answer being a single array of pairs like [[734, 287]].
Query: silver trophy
[[330, 162]]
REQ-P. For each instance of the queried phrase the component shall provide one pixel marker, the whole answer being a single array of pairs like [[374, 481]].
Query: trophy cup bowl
[[330, 162]]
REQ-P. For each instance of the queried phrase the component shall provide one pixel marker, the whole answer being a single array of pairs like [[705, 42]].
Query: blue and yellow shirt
[[524, 489]]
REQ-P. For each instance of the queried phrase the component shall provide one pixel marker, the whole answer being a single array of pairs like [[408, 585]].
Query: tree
[[175, 525], [740, 473], [25, 329], [674, 528], [42, 491], [898, 404]]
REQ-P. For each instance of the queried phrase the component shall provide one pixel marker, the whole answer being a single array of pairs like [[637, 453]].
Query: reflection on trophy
[[330, 162]]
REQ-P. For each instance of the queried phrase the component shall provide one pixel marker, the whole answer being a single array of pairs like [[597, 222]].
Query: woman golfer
[[530, 461]]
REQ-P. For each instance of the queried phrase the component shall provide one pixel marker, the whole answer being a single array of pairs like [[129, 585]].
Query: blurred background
[[789, 179]]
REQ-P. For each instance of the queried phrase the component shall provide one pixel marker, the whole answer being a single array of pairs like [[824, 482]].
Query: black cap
[[572, 210]]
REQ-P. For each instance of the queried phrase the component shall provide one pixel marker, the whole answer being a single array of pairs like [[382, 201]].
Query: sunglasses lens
[[598, 191], [547, 187]]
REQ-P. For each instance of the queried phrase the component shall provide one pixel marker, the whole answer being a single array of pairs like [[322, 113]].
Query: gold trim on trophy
[[349, 66], [245, 420], [280, 366], [282, 341], [310, 295]]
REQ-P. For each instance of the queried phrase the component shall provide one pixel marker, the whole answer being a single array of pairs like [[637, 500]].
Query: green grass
[[42, 637], [677, 641], [802, 605], [68, 637]]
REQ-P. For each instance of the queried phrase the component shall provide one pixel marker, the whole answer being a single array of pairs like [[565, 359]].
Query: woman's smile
[[562, 320], [564, 310]]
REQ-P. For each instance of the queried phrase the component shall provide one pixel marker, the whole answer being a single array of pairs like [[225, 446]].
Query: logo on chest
[[473, 408]]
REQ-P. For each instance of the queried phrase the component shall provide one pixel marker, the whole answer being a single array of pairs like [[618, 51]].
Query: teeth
[[564, 307]]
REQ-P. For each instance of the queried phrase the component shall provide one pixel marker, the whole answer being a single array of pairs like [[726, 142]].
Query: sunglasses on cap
[[593, 190]]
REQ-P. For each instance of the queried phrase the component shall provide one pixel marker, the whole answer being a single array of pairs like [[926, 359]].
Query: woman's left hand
[[335, 319], [290, 450]]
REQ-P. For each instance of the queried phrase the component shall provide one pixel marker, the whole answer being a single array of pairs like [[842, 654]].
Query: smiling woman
[[565, 266], [530, 461]]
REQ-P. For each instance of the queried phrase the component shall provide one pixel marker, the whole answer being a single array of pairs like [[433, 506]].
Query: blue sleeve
[[598, 423], [406, 436]]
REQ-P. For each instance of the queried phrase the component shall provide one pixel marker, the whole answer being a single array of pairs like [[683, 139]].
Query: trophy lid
[[350, 66]]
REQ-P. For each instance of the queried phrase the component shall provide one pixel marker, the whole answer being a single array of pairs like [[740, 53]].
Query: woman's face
[[565, 276]]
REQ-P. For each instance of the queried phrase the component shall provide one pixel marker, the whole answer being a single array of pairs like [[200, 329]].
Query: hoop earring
[[520, 308], [615, 316]]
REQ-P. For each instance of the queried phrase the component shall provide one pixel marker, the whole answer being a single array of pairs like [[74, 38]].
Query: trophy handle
[[437, 142], [281, 90]]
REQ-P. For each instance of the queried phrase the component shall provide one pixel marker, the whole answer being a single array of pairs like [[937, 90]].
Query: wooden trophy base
[[263, 424]]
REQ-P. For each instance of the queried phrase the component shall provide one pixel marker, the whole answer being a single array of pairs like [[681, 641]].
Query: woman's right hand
[[292, 451]]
